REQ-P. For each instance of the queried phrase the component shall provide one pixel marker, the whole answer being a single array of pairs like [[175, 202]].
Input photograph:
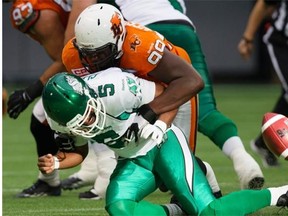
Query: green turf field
[[245, 104]]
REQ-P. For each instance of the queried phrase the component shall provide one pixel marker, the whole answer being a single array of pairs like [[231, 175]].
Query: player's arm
[[68, 156], [49, 31], [141, 127], [260, 11], [183, 83], [166, 117], [77, 7]]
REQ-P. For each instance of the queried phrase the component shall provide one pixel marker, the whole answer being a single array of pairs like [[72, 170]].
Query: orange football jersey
[[142, 50], [24, 13]]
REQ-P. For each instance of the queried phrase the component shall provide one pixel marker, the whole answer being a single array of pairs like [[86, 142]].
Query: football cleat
[[72, 183], [256, 183], [268, 159], [283, 200], [89, 195], [40, 188], [279, 196]]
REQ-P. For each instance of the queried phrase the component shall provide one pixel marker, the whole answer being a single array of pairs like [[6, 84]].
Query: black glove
[[64, 142], [135, 128], [20, 99], [132, 132]]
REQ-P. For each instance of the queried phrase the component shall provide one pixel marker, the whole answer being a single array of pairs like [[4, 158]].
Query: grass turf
[[245, 104]]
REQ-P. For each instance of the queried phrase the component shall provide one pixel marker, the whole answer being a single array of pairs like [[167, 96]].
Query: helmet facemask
[[98, 59], [92, 122]]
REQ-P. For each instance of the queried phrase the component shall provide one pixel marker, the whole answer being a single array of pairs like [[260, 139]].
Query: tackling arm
[[49, 31], [183, 83]]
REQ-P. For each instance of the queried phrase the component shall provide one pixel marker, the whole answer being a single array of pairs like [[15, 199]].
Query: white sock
[[106, 163], [174, 209], [276, 192], [88, 171], [231, 144], [53, 179], [210, 175]]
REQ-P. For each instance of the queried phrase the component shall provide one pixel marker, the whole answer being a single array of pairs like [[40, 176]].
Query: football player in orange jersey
[[144, 50], [168, 18], [49, 23], [134, 48]]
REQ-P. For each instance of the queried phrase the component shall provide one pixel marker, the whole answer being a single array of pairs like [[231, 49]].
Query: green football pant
[[175, 166], [212, 123]]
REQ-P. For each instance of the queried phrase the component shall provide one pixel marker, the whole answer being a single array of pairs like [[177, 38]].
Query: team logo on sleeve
[[134, 41], [116, 27]]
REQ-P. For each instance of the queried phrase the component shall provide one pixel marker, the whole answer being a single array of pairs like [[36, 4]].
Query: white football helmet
[[100, 33]]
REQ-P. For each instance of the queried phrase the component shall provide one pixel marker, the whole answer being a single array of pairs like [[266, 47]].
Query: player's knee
[[122, 207]]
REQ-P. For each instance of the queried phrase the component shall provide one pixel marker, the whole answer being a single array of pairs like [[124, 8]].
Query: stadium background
[[219, 24]]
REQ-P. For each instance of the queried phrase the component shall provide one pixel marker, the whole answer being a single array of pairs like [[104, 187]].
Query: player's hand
[[46, 163], [133, 130], [245, 48], [155, 131], [20, 99], [17, 102]]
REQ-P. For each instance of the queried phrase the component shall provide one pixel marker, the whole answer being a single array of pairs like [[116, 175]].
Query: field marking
[[55, 211]]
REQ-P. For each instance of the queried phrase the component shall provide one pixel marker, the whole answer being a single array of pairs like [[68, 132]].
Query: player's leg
[[278, 51], [46, 184], [225, 132], [105, 163], [188, 126], [248, 201], [181, 173], [222, 130], [86, 175], [130, 183]]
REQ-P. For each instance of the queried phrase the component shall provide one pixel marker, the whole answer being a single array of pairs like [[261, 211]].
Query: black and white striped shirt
[[280, 16]]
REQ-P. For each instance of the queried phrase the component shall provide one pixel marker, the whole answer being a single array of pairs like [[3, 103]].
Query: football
[[275, 133]]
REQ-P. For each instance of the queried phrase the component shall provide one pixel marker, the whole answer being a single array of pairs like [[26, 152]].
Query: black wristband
[[147, 113], [35, 90]]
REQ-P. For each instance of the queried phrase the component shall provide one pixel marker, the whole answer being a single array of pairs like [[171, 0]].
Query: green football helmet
[[70, 102]]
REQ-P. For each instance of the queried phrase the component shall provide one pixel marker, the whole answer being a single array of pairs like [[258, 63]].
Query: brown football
[[275, 133]]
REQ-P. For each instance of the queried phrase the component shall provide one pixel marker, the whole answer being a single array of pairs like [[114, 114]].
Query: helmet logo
[[134, 41], [75, 84], [116, 27]]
